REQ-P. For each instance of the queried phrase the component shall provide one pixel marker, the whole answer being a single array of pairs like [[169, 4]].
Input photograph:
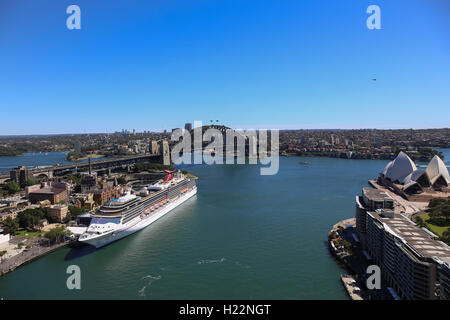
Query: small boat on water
[[304, 162]]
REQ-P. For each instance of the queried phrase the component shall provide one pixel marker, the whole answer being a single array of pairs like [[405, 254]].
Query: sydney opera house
[[403, 176]]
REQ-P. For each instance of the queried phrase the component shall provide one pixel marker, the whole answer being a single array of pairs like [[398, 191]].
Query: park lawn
[[22, 233], [434, 228]]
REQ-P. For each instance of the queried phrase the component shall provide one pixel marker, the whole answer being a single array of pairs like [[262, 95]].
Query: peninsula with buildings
[[401, 225], [347, 144], [364, 143]]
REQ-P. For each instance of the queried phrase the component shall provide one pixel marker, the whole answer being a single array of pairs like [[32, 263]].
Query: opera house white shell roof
[[411, 179], [403, 170], [436, 168], [399, 168]]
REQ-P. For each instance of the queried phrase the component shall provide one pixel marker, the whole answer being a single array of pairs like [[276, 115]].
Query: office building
[[57, 213], [20, 175], [53, 195]]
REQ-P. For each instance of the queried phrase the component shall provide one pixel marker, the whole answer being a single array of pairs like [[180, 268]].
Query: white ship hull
[[137, 223]]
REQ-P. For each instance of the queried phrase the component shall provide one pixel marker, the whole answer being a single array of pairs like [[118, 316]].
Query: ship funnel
[[169, 175]]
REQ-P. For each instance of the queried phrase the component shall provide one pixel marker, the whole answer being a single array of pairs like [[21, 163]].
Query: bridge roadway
[[58, 170]]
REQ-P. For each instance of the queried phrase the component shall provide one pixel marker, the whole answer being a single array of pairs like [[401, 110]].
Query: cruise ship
[[123, 216]]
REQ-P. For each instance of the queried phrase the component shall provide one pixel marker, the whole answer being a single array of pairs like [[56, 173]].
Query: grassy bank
[[433, 228], [22, 233], [78, 156]]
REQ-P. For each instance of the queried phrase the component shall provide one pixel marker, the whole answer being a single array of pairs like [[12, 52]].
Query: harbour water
[[244, 236], [32, 159]]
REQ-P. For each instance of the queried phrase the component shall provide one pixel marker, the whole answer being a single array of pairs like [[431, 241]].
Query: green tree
[[420, 222], [57, 234], [2, 253], [11, 224], [75, 211], [439, 209], [77, 180], [27, 221], [446, 236], [30, 218], [31, 182], [67, 218], [12, 187], [147, 166]]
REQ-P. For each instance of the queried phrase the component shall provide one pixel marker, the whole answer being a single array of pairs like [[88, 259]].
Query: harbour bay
[[244, 236]]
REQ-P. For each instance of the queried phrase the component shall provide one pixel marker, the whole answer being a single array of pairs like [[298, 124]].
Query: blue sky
[[250, 64]]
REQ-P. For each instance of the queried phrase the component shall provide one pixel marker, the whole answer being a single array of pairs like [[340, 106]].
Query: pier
[[353, 290]]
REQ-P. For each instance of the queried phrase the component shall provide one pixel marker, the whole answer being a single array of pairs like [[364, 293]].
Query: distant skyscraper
[[134, 132], [188, 126]]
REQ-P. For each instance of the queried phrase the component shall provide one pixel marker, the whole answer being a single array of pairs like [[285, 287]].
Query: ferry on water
[[121, 217]]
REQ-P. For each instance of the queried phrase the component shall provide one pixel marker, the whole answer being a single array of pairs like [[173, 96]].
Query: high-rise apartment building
[[407, 255]]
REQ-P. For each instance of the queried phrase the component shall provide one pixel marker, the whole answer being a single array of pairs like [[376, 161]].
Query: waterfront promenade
[[37, 249], [403, 206]]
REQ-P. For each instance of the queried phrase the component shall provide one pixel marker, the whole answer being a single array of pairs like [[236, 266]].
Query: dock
[[353, 290]]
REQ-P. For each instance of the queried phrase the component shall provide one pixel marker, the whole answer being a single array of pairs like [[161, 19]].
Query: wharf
[[351, 287], [344, 224]]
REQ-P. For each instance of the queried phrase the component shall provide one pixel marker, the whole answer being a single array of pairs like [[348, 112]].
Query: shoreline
[[349, 281], [94, 156], [334, 250], [330, 156], [29, 257]]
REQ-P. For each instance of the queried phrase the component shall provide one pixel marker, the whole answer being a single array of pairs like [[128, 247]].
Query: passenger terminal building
[[414, 264]]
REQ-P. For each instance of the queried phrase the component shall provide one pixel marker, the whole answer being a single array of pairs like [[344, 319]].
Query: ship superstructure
[[130, 213]]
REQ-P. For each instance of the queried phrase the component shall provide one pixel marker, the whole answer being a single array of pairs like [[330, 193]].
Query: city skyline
[[125, 131], [254, 65]]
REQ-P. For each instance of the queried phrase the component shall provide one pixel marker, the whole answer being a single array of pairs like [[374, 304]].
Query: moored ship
[[123, 216]]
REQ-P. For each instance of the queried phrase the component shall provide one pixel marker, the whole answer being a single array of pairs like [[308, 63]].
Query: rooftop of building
[[445, 260], [87, 174], [376, 195], [58, 206], [109, 185], [418, 239], [48, 190]]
